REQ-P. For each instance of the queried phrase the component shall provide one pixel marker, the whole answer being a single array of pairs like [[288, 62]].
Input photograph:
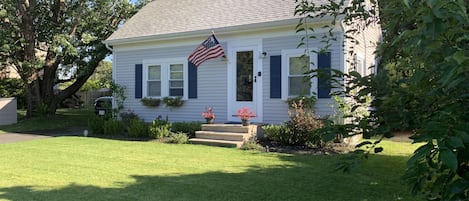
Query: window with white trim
[[167, 77], [359, 64], [294, 65], [154, 80], [297, 66]]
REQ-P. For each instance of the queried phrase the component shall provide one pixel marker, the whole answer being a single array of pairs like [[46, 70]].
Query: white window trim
[[286, 54], [360, 69], [165, 73]]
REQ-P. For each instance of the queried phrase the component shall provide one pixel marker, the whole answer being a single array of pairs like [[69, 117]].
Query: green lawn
[[78, 168], [64, 118]]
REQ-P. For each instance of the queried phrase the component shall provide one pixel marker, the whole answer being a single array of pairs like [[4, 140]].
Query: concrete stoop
[[224, 135]]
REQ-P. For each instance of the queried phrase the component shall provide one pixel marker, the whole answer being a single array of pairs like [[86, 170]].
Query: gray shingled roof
[[162, 17]]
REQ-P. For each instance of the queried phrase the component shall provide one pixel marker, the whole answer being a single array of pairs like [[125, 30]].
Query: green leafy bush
[[113, 127], [128, 117], [12, 87], [302, 126], [178, 138], [186, 127], [96, 124], [278, 133], [252, 145], [160, 128], [138, 128]]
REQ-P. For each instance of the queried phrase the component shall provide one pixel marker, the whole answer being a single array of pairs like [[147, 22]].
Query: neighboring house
[[261, 70]]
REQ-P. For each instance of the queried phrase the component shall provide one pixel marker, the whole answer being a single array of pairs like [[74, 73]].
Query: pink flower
[[245, 113], [208, 113]]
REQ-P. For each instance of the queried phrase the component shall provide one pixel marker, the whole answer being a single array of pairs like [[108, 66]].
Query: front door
[[245, 74]]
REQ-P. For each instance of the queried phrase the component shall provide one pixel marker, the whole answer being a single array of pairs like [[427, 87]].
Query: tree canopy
[[421, 85], [38, 37]]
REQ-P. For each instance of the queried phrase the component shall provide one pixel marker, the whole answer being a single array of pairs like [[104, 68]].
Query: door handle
[[255, 78]]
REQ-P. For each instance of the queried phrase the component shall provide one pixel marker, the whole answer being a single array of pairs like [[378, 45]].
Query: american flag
[[209, 49]]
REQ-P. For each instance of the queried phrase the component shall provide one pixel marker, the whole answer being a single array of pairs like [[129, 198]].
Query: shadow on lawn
[[304, 179]]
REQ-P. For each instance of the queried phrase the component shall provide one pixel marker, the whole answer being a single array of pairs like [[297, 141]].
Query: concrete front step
[[221, 143], [215, 135], [232, 128]]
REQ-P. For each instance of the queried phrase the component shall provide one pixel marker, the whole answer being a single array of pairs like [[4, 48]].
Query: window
[[165, 78], [154, 80], [294, 64], [359, 65], [297, 85]]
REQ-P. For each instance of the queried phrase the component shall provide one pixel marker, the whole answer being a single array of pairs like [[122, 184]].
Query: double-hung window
[[295, 63], [154, 80], [165, 77]]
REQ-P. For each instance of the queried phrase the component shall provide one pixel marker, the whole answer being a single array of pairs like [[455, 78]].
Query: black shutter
[[324, 67], [138, 80], [192, 71], [276, 76]]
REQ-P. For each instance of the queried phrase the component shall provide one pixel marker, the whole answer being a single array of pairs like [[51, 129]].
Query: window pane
[[244, 73], [173, 84], [154, 88], [176, 67], [299, 65], [154, 72], [176, 92], [297, 86], [176, 75]]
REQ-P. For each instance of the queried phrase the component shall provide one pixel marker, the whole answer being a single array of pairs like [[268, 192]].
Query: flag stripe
[[209, 49]]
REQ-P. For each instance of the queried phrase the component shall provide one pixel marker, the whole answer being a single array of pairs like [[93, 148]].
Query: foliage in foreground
[[421, 84], [300, 130]]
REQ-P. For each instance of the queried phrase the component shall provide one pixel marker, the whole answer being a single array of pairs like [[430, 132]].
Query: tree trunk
[[25, 8]]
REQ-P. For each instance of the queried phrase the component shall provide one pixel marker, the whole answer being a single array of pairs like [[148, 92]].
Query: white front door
[[245, 81]]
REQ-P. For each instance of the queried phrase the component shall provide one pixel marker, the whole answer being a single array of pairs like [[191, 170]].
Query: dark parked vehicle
[[103, 105]]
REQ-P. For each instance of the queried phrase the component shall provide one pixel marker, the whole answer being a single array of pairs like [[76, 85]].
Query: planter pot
[[246, 122], [209, 121]]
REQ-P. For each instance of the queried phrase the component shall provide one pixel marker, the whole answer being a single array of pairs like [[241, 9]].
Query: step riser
[[235, 128], [222, 137], [216, 144]]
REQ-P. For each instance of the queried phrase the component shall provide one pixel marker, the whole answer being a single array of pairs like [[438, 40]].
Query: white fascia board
[[205, 32]]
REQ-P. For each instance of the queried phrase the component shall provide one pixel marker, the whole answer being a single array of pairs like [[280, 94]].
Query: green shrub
[[96, 124], [138, 128], [252, 145], [186, 127], [13, 87], [278, 133], [302, 124], [160, 128], [128, 117], [178, 138], [113, 127]]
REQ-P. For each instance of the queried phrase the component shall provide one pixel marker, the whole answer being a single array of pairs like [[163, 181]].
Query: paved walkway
[[6, 138], [19, 137]]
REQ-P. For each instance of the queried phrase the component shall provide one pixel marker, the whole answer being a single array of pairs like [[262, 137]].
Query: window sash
[[167, 77]]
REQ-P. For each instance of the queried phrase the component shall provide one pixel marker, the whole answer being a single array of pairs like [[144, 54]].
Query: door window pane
[[244, 73]]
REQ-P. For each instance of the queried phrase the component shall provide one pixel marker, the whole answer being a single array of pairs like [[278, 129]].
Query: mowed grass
[[64, 118], [79, 168]]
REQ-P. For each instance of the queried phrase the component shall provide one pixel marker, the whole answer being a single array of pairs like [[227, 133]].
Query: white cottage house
[[150, 58]]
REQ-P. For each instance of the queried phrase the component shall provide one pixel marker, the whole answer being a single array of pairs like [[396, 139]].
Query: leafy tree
[[421, 85], [101, 78], [38, 37]]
